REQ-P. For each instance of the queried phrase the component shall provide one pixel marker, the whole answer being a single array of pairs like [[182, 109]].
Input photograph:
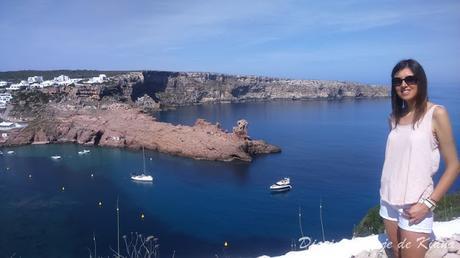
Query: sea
[[332, 150]]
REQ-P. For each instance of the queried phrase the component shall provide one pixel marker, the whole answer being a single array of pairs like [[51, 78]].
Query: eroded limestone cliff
[[176, 89]]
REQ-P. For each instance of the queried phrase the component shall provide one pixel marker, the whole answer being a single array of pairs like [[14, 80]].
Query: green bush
[[371, 224]]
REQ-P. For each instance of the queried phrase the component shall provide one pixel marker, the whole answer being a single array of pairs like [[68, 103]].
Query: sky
[[347, 40]]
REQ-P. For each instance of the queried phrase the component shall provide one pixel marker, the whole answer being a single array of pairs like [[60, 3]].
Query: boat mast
[[143, 157]]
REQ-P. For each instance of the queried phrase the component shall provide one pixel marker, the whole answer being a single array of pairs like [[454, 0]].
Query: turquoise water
[[332, 150]]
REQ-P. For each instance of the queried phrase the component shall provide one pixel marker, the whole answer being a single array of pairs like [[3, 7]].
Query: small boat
[[83, 152], [10, 152], [282, 185], [56, 157], [143, 177]]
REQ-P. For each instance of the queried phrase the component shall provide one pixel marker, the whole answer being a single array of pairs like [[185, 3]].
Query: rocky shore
[[121, 125], [114, 114]]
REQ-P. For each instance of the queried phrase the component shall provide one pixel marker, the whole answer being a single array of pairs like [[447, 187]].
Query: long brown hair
[[398, 106]]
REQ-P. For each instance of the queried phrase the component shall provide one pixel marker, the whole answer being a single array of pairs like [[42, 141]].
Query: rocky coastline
[[115, 114], [123, 126], [181, 88]]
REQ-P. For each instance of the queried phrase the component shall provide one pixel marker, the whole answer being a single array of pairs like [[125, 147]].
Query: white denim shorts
[[395, 213]]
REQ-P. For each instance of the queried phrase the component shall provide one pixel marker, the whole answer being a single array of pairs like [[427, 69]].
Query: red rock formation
[[123, 126]]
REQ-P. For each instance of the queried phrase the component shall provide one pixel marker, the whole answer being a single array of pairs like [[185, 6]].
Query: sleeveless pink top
[[411, 159]]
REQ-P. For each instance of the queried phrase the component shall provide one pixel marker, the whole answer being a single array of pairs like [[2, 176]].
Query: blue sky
[[352, 40]]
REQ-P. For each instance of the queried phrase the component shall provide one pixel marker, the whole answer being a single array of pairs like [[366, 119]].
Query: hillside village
[[37, 82]]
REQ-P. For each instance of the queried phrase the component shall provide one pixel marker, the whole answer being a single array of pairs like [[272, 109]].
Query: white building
[[3, 83], [15, 86], [45, 84], [35, 79], [76, 80], [62, 80], [5, 97], [100, 79], [18, 86]]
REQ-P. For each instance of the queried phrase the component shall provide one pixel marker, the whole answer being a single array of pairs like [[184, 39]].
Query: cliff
[[180, 88], [113, 113], [152, 90]]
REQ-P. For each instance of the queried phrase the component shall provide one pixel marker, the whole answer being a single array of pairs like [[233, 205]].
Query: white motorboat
[[83, 152], [282, 185], [10, 152], [143, 177], [56, 157]]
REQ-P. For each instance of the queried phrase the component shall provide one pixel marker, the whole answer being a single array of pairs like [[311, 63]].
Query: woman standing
[[420, 132]]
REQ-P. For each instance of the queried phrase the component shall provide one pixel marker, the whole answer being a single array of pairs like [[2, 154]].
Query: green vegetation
[[16, 76], [371, 224], [448, 209]]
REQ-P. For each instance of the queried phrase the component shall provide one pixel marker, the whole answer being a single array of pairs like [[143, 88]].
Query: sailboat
[[142, 177]]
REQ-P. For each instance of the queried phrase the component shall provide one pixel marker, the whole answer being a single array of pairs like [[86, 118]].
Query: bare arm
[[443, 131]]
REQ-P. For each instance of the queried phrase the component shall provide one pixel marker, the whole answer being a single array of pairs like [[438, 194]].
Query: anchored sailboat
[[143, 177]]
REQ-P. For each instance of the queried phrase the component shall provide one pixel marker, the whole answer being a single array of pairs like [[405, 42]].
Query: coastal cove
[[332, 151]]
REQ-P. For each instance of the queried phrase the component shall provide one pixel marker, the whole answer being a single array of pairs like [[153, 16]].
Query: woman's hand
[[416, 213]]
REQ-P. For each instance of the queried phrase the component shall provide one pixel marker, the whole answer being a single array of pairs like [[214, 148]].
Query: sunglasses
[[410, 80]]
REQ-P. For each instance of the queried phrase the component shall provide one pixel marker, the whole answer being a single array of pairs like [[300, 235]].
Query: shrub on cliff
[[448, 207], [371, 224]]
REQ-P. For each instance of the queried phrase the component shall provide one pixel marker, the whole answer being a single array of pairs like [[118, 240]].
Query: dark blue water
[[332, 150]]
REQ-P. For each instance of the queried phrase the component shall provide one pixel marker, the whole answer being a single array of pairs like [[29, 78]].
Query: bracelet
[[429, 203], [432, 202]]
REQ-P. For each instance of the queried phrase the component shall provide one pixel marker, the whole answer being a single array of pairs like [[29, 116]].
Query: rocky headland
[[121, 125], [115, 113]]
